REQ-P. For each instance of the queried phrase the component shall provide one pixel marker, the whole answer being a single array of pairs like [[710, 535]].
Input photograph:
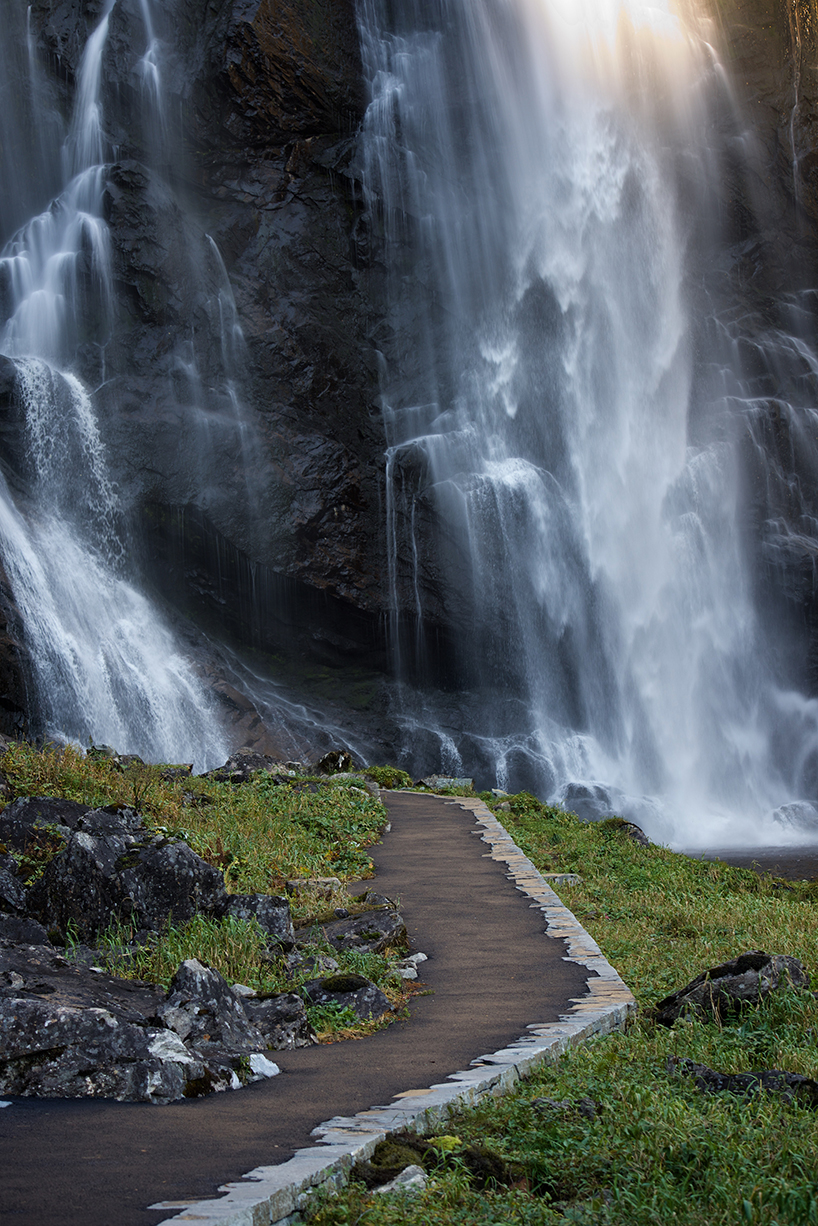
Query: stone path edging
[[273, 1195]]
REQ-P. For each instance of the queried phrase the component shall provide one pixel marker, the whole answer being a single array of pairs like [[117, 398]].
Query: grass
[[655, 1150], [260, 834]]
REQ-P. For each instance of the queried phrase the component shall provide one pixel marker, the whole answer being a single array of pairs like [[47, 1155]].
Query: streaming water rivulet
[[105, 662], [569, 417]]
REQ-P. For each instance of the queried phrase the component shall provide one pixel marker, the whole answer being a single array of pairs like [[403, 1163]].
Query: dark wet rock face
[[768, 212], [15, 666], [727, 989], [240, 379]]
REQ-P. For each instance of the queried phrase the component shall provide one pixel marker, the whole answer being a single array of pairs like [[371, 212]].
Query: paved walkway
[[491, 973]]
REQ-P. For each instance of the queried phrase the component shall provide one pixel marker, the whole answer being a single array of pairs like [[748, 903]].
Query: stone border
[[273, 1195]]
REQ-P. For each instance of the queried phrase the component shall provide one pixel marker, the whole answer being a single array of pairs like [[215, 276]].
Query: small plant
[[388, 776], [332, 1018], [45, 843]]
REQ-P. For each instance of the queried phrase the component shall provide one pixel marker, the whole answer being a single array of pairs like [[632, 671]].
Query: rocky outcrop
[[92, 868], [113, 869], [68, 1028], [68, 1031]]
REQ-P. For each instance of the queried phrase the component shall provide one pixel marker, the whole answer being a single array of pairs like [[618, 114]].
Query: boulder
[[68, 1030], [374, 900], [270, 911], [337, 761], [371, 932], [24, 821], [204, 1012], [282, 1020], [792, 1087], [52, 1050], [81, 886], [726, 989], [19, 930], [12, 894], [169, 882], [113, 819], [115, 870], [314, 887], [412, 1179], [355, 992], [240, 768]]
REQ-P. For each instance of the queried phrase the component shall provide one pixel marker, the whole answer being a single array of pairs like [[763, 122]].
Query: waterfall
[[107, 664], [568, 417]]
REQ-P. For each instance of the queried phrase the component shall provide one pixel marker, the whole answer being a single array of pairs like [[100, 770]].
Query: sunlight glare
[[602, 17]]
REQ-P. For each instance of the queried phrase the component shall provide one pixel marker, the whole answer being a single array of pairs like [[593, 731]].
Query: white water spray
[[544, 163], [106, 663]]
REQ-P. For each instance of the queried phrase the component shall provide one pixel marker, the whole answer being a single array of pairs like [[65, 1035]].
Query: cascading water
[[106, 663], [565, 428]]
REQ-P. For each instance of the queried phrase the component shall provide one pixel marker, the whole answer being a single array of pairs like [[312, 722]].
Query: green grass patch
[[259, 834], [654, 1149], [389, 776], [237, 949]]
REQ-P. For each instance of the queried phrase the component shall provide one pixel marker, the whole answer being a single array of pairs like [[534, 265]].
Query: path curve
[[492, 974]]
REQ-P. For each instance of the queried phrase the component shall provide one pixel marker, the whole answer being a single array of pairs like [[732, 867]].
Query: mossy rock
[[388, 776], [343, 983], [392, 1156], [486, 1169]]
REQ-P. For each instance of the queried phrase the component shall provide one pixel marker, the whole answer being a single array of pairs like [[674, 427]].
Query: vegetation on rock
[[260, 834]]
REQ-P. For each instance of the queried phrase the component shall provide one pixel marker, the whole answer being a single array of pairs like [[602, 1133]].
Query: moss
[[343, 983]]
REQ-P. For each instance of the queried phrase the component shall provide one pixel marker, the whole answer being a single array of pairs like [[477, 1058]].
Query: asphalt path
[[491, 972]]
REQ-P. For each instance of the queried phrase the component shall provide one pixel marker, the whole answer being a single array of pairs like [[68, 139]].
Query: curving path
[[491, 974]]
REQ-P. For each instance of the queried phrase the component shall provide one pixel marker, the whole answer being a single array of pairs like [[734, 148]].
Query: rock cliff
[[769, 136], [234, 383]]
